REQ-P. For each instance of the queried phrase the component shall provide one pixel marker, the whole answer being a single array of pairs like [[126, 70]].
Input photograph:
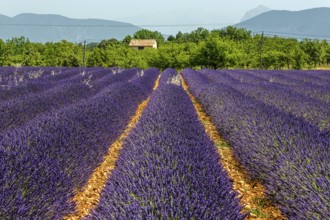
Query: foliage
[[146, 34], [232, 33], [226, 48], [175, 55], [212, 53]]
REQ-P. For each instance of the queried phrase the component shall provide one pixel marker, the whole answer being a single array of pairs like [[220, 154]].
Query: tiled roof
[[142, 42]]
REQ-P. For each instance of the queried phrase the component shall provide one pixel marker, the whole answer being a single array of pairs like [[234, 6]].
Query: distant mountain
[[52, 28], [255, 12], [184, 21], [300, 24]]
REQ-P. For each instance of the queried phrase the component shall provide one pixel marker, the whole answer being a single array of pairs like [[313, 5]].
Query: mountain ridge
[[53, 28], [255, 12], [309, 22]]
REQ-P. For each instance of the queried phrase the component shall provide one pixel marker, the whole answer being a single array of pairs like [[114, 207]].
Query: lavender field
[[58, 124]]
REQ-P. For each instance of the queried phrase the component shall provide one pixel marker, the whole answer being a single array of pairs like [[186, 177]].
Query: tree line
[[225, 48]]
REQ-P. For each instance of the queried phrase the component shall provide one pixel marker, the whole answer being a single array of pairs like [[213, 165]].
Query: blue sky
[[155, 12]]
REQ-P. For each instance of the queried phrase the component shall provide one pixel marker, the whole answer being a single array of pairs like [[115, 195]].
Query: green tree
[[198, 35], [179, 37], [327, 54], [212, 54], [127, 39], [63, 53], [109, 43], [312, 50], [14, 51], [273, 59], [171, 38], [33, 55], [173, 55], [147, 34], [232, 33], [298, 59], [2, 52]]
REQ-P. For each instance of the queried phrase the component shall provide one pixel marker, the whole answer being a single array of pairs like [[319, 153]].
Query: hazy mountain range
[[309, 23], [52, 28], [255, 12]]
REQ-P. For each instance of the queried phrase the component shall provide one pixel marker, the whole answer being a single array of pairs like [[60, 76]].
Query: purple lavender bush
[[18, 111], [307, 108], [43, 161], [287, 154], [168, 167]]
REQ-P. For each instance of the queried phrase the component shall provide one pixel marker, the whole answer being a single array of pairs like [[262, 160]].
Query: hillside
[[254, 12], [52, 28], [307, 23]]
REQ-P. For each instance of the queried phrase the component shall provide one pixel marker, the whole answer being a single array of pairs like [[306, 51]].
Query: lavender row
[[7, 73], [139, 79], [320, 92], [23, 74], [168, 167], [11, 77], [17, 84], [307, 77], [301, 77], [275, 76], [322, 74], [18, 111], [288, 155], [168, 75], [44, 161], [312, 110], [33, 81], [241, 76], [264, 77]]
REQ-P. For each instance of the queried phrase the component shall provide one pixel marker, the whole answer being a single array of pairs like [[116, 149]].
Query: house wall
[[139, 48]]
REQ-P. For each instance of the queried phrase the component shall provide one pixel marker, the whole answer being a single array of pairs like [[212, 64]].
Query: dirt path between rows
[[88, 197], [251, 193]]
